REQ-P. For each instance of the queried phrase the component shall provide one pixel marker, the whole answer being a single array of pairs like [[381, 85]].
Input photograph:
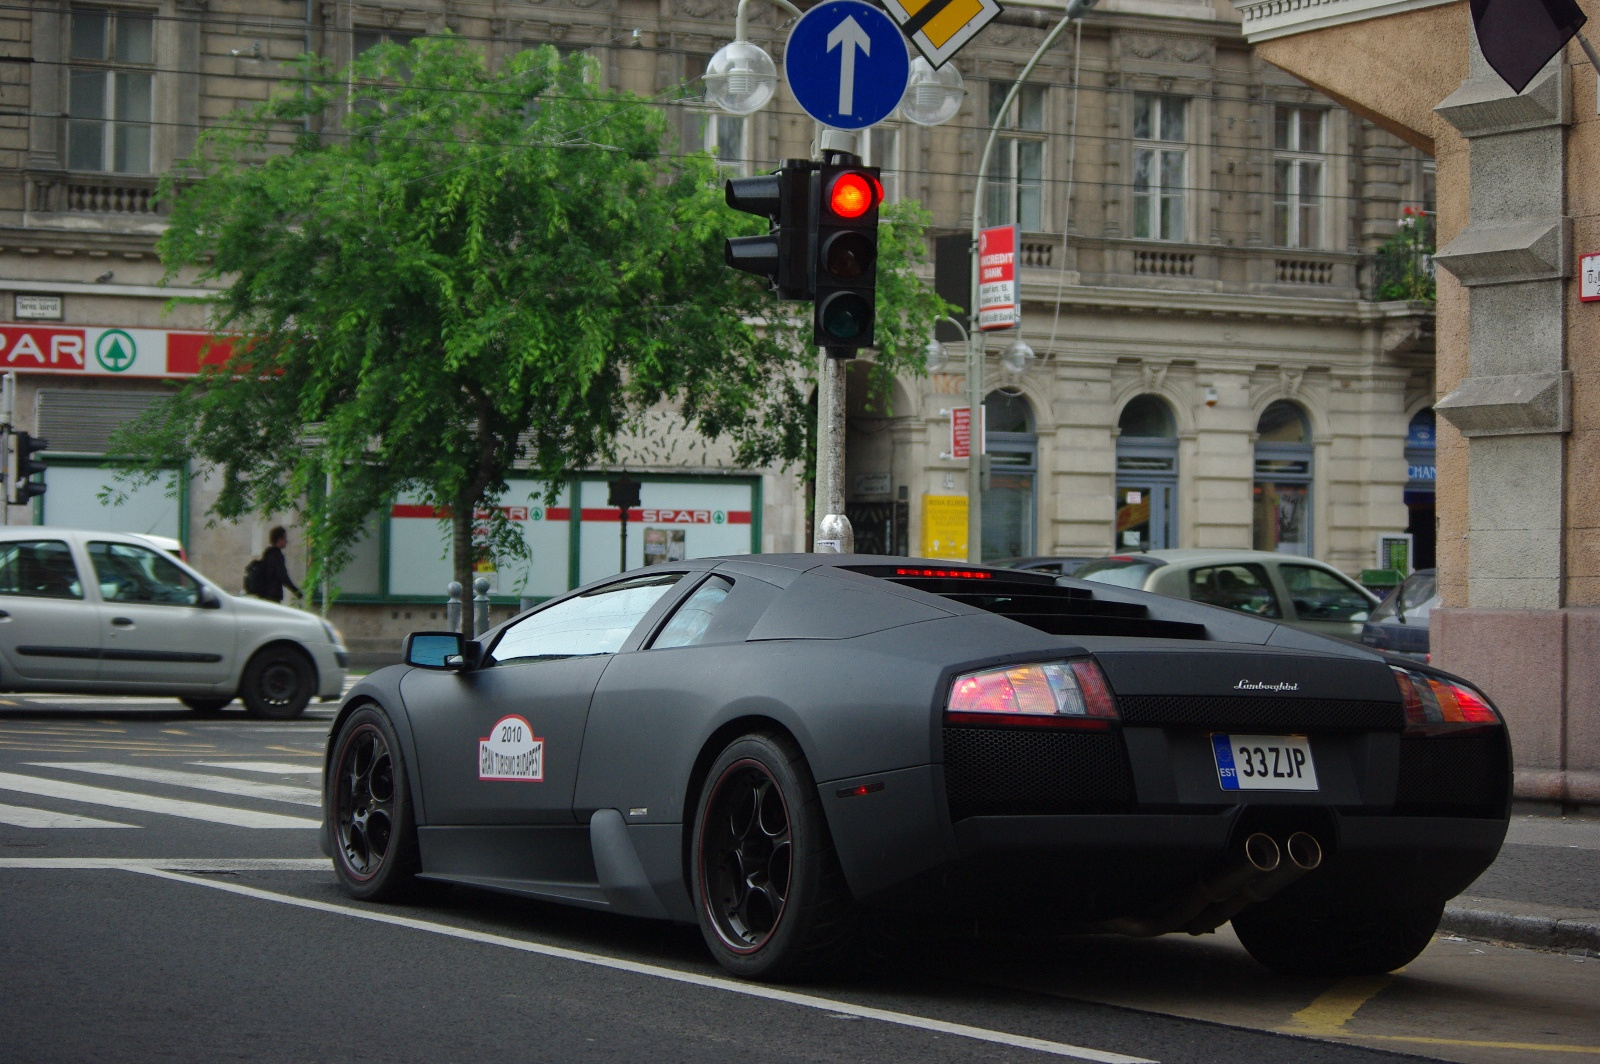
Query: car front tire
[[367, 797], [278, 683], [206, 705], [769, 892], [1363, 943]]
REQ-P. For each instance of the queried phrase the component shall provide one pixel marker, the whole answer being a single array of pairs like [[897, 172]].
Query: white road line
[[177, 864], [20, 816], [281, 768], [903, 1019], [200, 781], [216, 814]]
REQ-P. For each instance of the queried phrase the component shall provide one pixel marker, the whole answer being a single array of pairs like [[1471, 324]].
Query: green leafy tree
[[469, 274]]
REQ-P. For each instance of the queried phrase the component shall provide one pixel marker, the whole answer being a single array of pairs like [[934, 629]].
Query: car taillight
[[1434, 705], [1055, 694]]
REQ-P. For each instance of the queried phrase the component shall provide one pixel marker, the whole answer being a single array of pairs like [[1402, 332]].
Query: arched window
[[1147, 475], [1422, 524], [1008, 501], [1282, 508]]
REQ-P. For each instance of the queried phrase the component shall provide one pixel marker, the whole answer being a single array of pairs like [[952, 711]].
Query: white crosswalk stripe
[[148, 803], [276, 768], [272, 792], [20, 816]]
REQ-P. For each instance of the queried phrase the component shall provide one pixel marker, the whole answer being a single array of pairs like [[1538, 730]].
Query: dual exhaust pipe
[[1260, 870]]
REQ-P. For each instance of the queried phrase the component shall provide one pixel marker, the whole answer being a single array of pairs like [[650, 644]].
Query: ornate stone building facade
[[1213, 367]]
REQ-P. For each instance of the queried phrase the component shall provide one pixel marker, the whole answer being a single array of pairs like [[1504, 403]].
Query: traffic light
[[844, 254], [21, 466], [784, 199]]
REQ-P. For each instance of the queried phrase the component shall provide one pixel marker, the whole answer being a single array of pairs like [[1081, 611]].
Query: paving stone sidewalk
[[1543, 891]]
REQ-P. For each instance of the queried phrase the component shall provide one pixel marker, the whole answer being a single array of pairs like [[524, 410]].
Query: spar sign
[[98, 351]]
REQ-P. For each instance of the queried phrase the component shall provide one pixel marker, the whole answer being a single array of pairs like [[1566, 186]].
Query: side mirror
[[208, 599], [436, 650]]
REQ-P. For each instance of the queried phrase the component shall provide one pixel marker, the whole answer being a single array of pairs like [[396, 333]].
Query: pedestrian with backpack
[[266, 577]]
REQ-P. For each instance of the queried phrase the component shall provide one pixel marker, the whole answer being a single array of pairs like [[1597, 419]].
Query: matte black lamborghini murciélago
[[786, 748]]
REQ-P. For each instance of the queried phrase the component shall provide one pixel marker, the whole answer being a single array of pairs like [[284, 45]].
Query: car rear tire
[[1366, 943], [368, 801], [278, 683], [770, 895], [206, 705]]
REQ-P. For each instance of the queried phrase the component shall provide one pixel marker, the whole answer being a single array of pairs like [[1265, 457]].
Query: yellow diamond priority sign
[[940, 28]]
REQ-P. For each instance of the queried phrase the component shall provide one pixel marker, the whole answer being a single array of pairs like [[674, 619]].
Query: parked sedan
[[787, 749], [1400, 623], [1300, 591], [100, 612]]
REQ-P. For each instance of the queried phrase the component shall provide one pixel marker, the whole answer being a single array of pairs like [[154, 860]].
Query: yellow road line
[[1532, 1047], [1335, 1006]]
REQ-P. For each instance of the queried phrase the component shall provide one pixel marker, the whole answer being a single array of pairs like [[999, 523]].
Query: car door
[[1326, 602], [49, 626], [499, 744], [154, 627]]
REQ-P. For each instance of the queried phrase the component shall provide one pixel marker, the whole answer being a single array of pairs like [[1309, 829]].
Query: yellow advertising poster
[[944, 527]]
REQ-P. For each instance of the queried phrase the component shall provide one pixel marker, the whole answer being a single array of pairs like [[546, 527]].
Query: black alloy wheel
[[369, 812], [746, 855], [770, 895], [278, 683]]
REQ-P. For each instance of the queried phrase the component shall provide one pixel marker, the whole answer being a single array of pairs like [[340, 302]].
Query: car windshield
[[1123, 572], [1414, 599]]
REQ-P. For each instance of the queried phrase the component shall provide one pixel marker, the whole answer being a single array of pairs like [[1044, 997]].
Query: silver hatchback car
[[1299, 591], [100, 612]]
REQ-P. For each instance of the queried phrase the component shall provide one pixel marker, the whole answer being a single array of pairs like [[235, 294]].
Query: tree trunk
[[462, 558]]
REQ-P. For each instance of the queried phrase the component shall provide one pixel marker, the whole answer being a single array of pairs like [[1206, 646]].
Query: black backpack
[[253, 572]]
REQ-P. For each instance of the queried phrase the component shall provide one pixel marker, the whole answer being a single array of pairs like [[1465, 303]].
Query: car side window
[[596, 622], [692, 619], [39, 568], [1319, 595], [1235, 587], [127, 573]]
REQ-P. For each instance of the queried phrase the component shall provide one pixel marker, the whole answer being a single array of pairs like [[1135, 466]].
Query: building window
[[1147, 476], [1008, 502], [1282, 508], [1160, 167], [109, 110], [1016, 169], [881, 148], [361, 40], [1297, 177], [724, 137]]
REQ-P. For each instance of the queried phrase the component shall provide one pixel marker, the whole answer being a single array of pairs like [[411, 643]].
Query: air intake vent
[[1019, 772]]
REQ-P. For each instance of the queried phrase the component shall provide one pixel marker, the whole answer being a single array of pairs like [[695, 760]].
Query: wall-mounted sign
[[873, 484], [1394, 551], [1589, 278], [961, 432], [36, 308], [944, 526], [96, 351], [997, 278]]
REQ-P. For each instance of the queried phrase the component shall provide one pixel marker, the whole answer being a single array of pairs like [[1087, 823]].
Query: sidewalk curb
[[1523, 929]]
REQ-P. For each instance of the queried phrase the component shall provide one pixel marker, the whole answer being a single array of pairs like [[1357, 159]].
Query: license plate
[[1264, 762]]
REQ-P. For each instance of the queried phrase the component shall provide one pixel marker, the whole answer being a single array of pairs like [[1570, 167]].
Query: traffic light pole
[[975, 389], [832, 531]]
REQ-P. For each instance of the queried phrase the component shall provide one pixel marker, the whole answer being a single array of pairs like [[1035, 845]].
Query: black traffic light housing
[[784, 199], [844, 252], [21, 466]]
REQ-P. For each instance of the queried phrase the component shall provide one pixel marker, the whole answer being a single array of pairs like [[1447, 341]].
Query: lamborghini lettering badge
[[511, 752]]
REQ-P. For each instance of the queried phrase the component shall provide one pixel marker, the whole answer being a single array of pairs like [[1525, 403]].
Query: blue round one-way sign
[[846, 63]]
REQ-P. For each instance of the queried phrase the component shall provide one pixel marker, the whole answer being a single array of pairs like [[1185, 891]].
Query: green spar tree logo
[[718, 517], [115, 350]]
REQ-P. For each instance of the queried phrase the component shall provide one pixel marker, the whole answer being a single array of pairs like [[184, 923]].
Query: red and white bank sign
[[997, 278], [97, 351], [961, 432]]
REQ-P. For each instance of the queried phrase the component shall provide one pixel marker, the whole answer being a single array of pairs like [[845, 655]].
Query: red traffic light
[[851, 195]]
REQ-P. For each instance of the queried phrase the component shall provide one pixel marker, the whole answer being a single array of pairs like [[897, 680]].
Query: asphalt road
[[162, 898]]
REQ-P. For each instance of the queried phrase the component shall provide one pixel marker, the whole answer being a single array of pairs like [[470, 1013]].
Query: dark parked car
[[1400, 623], [1055, 565], [775, 747]]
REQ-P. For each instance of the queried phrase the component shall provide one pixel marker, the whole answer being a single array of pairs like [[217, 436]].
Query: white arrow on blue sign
[[846, 63]]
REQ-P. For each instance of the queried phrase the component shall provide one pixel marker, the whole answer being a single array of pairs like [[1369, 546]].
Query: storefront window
[[1419, 498], [1282, 503], [1008, 502], [1147, 476]]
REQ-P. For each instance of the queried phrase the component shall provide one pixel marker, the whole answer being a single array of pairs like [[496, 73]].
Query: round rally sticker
[[511, 752]]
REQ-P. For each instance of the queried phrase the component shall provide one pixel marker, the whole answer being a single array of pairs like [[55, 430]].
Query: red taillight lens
[[1060, 694], [1431, 703]]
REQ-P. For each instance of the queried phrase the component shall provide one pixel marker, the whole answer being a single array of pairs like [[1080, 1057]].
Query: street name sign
[[941, 28], [997, 278], [847, 64]]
